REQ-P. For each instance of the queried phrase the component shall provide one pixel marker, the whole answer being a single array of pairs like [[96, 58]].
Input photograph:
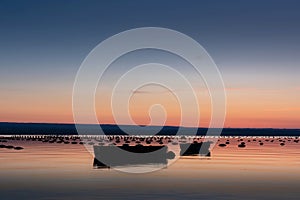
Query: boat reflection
[[125, 155], [196, 148], [137, 155]]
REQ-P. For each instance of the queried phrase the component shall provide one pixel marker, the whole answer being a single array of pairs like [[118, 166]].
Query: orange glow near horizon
[[245, 109]]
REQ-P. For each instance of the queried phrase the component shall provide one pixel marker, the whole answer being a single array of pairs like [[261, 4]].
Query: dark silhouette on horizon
[[7, 128]]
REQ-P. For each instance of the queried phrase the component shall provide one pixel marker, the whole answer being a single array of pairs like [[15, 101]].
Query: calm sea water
[[65, 171]]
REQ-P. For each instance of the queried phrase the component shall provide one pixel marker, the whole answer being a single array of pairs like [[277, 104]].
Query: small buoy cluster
[[2, 146], [261, 141], [117, 140]]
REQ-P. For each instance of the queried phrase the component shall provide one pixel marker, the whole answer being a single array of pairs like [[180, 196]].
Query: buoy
[[242, 145], [18, 148]]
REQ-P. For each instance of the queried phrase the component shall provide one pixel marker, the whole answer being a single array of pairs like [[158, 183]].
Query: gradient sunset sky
[[255, 44]]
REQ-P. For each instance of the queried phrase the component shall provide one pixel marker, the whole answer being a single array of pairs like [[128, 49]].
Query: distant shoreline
[[11, 128]]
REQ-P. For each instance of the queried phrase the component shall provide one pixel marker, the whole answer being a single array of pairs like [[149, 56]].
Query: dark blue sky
[[35, 32], [42, 43]]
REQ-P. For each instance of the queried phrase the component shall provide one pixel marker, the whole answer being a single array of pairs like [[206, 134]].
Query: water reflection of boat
[[110, 156], [191, 149]]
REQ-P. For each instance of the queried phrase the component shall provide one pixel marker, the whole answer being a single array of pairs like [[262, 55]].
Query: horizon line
[[69, 123]]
